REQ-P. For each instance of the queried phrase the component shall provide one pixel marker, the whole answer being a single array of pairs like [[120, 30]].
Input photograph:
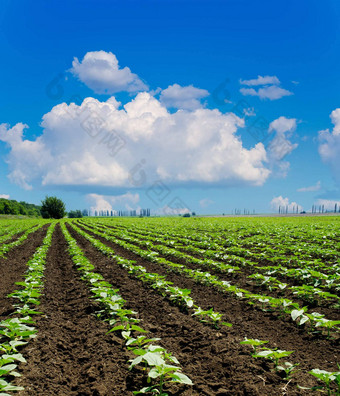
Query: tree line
[[13, 207]]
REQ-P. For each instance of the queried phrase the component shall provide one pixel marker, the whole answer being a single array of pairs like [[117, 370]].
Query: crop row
[[17, 331], [6, 247]]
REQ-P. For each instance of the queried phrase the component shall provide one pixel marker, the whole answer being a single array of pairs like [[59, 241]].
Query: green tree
[[52, 208], [75, 214]]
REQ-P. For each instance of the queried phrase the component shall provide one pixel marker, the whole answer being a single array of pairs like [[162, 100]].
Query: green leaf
[[120, 327], [126, 334], [263, 353], [153, 359], [296, 313], [137, 328], [7, 369], [182, 378], [15, 356], [154, 373], [143, 390], [303, 320]]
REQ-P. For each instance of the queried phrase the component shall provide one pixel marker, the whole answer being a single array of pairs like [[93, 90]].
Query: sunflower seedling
[[138, 342], [328, 324], [273, 355], [327, 377], [253, 342], [155, 356], [288, 368]]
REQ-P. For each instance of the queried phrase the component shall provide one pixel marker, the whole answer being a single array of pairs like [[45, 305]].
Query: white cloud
[[108, 202], [80, 146], [316, 187], [5, 196], [266, 80], [100, 71], [187, 98], [282, 125], [283, 203], [205, 202], [328, 204], [335, 117], [23, 153], [329, 148], [280, 146], [270, 88], [271, 92]]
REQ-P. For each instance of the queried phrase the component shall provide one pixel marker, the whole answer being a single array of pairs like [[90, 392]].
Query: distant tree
[[52, 208], [85, 212], [75, 214]]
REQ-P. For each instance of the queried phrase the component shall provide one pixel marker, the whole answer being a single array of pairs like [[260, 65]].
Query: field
[[177, 306]]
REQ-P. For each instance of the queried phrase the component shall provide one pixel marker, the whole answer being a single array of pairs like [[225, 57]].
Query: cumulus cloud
[[283, 203], [187, 98], [329, 148], [316, 187], [272, 92], [109, 202], [23, 153], [282, 125], [102, 143], [266, 80], [270, 88], [6, 196], [100, 71], [281, 146]]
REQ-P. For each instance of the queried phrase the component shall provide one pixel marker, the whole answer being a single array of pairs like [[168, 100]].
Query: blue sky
[[203, 73]]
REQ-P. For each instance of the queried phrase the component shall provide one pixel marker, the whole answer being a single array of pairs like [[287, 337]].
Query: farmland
[[186, 306]]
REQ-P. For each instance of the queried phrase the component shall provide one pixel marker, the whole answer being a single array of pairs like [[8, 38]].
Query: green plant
[[272, 354], [155, 357], [326, 377], [288, 368], [253, 342], [209, 316], [328, 324], [139, 342]]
